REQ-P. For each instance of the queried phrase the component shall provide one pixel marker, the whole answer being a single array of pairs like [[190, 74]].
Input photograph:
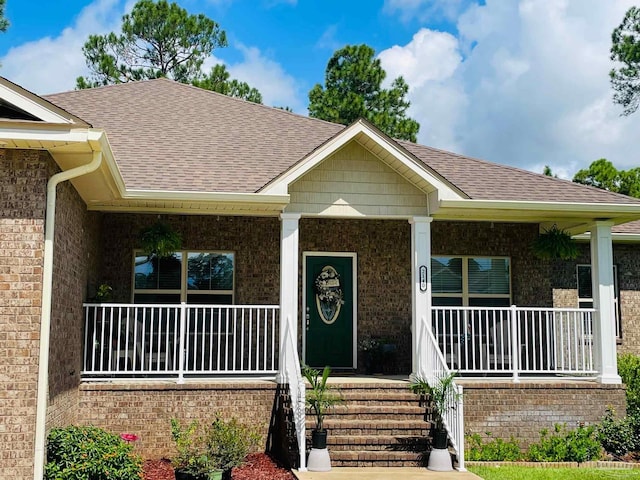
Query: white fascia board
[[31, 106], [586, 209], [615, 237], [45, 133], [280, 185], [218, 197]]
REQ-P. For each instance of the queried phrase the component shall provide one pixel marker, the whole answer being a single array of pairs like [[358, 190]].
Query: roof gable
[[384, 148]]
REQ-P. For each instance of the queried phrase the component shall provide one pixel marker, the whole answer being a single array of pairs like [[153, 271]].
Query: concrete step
[[374, 412], [364, 458], [373, 427], [398, 443]]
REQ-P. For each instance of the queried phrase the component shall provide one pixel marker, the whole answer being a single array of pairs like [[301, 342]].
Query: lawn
[[534, 473]]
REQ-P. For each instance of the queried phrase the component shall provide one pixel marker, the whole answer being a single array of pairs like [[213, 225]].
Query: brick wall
[[522, 410], [23, 177], [76, 262], [146, 409], [627, 259]]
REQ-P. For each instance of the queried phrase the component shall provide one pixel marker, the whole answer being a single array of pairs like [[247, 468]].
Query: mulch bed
[[259, 466]]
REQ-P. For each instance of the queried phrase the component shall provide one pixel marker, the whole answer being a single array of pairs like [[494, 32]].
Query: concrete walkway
[[379, 473]]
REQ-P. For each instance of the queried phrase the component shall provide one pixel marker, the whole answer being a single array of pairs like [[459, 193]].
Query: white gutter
[[556, 207], [45, 318]]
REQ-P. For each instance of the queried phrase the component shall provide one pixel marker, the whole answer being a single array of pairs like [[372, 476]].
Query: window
[[204, 278], [471, 281], [585, 292]]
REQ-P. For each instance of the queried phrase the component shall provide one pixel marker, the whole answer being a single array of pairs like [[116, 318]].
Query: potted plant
[[319, 398], [192, 461], [443, 395], [160, 240], [555, 243]]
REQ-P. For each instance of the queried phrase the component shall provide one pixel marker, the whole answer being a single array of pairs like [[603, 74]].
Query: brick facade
[[522, 410], [146, 409], [23, 177], [627, 259]]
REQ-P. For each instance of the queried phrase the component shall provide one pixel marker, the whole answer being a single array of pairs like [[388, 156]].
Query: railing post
[[182, 346], [515, 344], [302, 434], [460, 439]]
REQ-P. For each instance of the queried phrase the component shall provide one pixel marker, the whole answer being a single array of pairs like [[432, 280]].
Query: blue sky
[[519, 82]]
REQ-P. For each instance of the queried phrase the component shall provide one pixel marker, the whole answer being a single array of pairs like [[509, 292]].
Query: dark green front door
[[329, 311]]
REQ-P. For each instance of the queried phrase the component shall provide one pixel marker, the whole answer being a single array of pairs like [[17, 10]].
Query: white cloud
[[51, 64], [276, 86], [328, 39], [525, 83], [424, 10]]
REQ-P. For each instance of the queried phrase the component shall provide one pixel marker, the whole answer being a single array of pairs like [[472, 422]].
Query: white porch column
[[288, 291], [420, 288], [604, 335]]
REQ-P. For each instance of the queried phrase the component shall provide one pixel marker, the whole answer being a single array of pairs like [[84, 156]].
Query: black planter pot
[[319, 439], [440, 439]]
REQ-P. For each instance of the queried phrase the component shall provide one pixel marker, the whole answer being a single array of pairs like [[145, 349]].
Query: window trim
[[184, 291], [616, 296], [465, 295]]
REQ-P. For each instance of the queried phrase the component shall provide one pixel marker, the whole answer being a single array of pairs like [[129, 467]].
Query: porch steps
[[376, 425]]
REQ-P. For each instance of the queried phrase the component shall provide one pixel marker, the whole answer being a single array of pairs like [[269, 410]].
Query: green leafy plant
[[321, 397], [218, 447], [563, 445], [160, 240], [629, 371], [555, 243], [617, 435], [104, 293], [90, 453], [443, 394], [493, 449]]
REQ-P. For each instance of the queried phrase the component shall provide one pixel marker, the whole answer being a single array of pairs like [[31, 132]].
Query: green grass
[[534, 473]]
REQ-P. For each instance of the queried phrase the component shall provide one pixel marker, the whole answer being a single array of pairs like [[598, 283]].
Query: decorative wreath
[[327, 286]]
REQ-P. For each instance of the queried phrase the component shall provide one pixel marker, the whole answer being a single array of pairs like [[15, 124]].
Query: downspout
[[45, 317]]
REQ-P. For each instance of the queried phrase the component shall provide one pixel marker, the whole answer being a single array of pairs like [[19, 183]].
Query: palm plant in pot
[[442, 395], [319, 398]]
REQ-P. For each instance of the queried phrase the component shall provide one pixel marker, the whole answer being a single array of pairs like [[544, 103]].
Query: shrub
[[494, 449], [617, 435], [579, 445], [90, 453], [629, 370], [220, 446]]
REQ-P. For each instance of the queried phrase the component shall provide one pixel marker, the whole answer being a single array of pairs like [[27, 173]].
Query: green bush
[[579, 445], [220, 446], [495, 449], [629, 370], [90, 453], [617, 435]]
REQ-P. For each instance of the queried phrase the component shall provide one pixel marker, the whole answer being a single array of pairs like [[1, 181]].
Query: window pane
[[156, 298], [446, 275], [170, 271], [446, 301], [488, 302], [210, 271], [146, 276], [489, 275], [585, 288], [210, 299]]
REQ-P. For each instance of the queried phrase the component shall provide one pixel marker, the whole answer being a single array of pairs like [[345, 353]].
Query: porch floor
[[382, 473]]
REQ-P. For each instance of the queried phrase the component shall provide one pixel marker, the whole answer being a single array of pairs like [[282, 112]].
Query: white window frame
[[589, 301], [184, 291], [465, 295]]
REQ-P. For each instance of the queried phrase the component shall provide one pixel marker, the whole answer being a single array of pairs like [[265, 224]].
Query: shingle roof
[[170, 136]]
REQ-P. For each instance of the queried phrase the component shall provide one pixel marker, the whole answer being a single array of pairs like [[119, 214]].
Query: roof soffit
[[383, 148]]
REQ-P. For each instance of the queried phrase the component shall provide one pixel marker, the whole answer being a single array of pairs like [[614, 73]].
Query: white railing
[[128, 340], [515, 340], [297, 390], [432, 367]]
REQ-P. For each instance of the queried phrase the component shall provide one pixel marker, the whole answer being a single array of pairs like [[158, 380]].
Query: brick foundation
[[521, 410], [146, 409]]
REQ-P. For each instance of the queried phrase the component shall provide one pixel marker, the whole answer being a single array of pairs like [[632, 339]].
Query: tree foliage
[[353, 89], [625, 49], [161, 39], [219, 81], [4, 23], [602, 174]]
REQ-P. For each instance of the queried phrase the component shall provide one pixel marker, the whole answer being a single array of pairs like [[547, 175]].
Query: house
[[300, 238]]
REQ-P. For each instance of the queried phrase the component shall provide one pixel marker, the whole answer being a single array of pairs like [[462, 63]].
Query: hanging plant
[[555, 243], [160, 240]]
